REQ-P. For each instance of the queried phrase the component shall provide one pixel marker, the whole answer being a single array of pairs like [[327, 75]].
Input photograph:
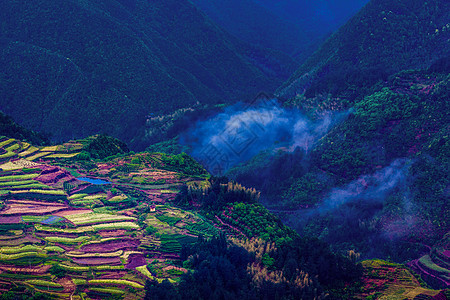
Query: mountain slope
[[134, 224], [252, 22], [376, 183], [314, 16], [73, 68], [10, 128], [294, 27], [385, 37]]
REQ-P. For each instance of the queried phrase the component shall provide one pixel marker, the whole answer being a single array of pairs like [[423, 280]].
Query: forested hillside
[[73, 68], [10, 128], [252, 22], [377, 181], [385, 37], [293, 27]]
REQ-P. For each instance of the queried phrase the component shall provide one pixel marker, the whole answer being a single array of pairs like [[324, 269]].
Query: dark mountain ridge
[[376, 182], [385, 37], [254, 23], [75, 68], [293, 27]]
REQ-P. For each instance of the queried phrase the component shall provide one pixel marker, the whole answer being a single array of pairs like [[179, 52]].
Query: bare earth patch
[[111, 246], [35, 270], [135, 260], [97, 261], [16, 208], [115, 233]]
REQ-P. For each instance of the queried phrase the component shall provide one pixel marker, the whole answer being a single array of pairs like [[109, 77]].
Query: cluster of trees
[[280, 264], [273, 175], [255, 221], [218, 193], [11, 129], [256, 269], [183, 163], [102, 146]]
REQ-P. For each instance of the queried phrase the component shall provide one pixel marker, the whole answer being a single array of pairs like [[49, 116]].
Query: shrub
[[58, 271]]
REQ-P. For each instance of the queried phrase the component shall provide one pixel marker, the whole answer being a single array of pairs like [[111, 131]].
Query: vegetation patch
[[54, 249], [38, 155], [46, 285], [6, 142], [428, 263], [29, 151], [62, 155], [116, 282], [20, 249], [168, 219], [16, 256], [108, 291], [79, 281], [14, 183], [92, 218], [18, 177], [76, 196], [113, 226], [144, 271], [104, 254], [67, 241]]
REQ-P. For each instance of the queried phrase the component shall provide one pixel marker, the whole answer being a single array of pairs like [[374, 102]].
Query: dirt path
[[69, 286]]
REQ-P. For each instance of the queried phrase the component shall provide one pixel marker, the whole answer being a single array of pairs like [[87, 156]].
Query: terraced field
[[16, 149], [390, 281], [73, 239], [434, 267]]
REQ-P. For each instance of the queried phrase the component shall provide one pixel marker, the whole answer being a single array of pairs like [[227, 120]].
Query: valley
[[79, 228], [224, 150]]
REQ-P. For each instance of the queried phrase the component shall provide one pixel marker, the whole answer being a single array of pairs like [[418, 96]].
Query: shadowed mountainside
[[384, 38], [294, 27], [73, 68]]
